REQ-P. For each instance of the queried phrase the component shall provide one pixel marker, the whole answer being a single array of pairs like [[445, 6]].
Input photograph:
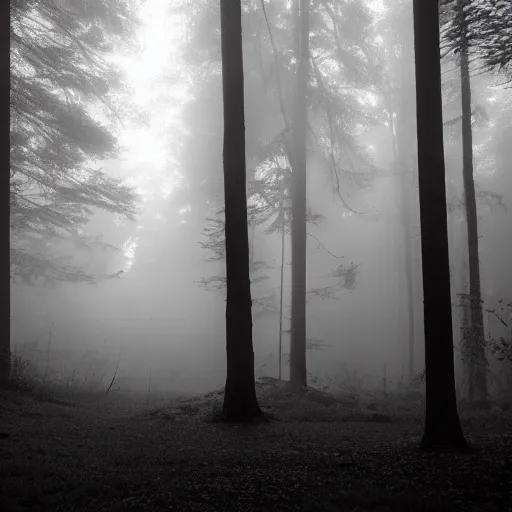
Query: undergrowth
[[320, 452]]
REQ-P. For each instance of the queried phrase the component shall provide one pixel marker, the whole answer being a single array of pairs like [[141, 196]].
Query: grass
[[320, 453]]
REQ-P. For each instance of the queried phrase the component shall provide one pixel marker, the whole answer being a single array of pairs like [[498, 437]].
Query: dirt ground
[[317, 454]]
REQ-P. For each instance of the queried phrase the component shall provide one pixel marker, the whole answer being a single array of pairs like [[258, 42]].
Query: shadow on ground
[[320, 453]]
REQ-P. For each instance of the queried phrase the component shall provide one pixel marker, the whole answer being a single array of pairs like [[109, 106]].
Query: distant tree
[[340, 66], [442, 425], [65, 105], [240, 403], [398, 94], [456, 17], [482, 28]]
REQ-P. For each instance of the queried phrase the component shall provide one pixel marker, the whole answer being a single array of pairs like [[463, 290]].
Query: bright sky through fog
[[377, 5], [160, 37]]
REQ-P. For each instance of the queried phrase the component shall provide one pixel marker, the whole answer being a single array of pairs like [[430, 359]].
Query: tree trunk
[[400, 166], [298, 375], [240, 403], [406, 216], [5, 339], [404, 163], [442, 426], [281, 290], [477, 361], [403, 166]]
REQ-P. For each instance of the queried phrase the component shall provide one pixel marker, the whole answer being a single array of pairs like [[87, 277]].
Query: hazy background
[[157, 317]]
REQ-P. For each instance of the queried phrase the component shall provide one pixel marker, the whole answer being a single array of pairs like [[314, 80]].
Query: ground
[[318, 453]]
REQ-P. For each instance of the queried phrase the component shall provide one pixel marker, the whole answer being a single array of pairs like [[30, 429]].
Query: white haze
[[158, 316]]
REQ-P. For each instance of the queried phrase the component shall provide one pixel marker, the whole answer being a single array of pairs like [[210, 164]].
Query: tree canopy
[[65, 105], [485, 26]]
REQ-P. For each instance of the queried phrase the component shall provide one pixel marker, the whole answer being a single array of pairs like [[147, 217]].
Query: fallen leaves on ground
[[99, 458]]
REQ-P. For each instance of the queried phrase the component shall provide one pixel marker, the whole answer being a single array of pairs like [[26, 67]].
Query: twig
[[115, 373], [322, 244]]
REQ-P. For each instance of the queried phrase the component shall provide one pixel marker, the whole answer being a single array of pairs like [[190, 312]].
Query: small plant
[[23, 373], [418, 379]]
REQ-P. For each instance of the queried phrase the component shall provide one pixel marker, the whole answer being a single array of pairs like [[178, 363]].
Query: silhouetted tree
[[240, 403], [5, 344], [298, 374], [477, 362], [442, 425]]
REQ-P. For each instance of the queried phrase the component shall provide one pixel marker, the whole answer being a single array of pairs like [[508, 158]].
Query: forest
[[260, 255]]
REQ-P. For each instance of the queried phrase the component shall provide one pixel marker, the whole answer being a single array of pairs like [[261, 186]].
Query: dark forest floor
[[318, 454]]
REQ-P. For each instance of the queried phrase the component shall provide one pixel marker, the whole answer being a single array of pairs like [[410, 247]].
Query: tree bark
[[240, 403], [442, 425], [281, 290], [5, 339], [298, 375], [477, 361]]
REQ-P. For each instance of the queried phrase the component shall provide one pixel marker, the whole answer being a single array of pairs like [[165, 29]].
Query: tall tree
[[240, 403], [485, 29], [477, 362], [5, 353], [298, 373], [442, 425], [457, 35]]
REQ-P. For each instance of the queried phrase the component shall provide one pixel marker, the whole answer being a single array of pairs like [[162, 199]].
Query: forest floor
[[319, 453]]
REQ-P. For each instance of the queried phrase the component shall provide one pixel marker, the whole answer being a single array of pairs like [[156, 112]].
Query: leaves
[[59, 73], [346, 61], [484, 27]]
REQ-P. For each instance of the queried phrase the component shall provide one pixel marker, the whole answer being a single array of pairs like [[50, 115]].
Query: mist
[[148, 312], [259, 255]]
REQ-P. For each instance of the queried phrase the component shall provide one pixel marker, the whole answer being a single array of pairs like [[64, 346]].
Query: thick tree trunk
[[240, 403], [298, 375], [442, 426], [477, 361], [5, 339]]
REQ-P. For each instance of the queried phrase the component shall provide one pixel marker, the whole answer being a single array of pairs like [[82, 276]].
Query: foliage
[[344, 279], [501, 347], [65, 104], [484, 26], [344, 66], [215, 244]]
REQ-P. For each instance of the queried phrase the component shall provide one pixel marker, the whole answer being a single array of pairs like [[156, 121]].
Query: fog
[[161, 329]]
